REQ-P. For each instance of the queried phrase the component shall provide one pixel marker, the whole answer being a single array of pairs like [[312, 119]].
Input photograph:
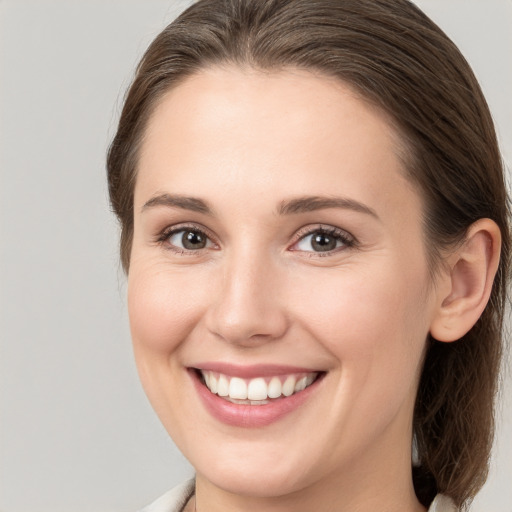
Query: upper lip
[[251, 371]]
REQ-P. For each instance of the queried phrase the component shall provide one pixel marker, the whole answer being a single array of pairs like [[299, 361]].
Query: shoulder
[[173, 500], [442, 504]]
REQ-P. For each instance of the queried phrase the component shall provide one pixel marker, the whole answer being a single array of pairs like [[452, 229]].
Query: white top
[[173, 500], [176, 499]]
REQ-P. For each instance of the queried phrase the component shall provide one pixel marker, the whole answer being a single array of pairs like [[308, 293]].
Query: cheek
[[368, 317], [375, 326], [163, 307]]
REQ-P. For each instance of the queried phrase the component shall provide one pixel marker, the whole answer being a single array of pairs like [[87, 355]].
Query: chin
[[255, 482], [263, 473]]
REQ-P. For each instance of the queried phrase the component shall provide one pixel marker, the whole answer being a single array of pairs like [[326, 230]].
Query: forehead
[[244, 127]]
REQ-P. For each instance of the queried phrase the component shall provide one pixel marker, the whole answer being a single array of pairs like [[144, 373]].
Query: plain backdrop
[[76, 431]]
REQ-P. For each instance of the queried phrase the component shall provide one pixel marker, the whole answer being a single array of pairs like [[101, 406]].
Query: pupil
[[323, 242], [193, 240]]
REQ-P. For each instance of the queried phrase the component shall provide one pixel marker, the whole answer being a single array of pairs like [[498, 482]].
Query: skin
[[243, 142]]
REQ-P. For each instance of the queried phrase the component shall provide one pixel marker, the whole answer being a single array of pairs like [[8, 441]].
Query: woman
[[315, 231]]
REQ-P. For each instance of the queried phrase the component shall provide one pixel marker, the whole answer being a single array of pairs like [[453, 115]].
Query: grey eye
[[319, 242]]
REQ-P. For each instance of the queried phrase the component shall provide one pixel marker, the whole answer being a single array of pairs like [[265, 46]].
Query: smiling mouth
[[256, 391]]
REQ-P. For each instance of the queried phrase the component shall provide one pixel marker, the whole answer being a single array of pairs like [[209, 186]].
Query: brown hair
[[398, 59]]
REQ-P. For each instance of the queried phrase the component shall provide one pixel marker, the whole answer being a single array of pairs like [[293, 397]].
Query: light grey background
[[76, 431]]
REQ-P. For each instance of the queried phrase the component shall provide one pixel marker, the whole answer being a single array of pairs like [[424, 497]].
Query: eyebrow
[[193, 204], [311, 203], [288, 207]]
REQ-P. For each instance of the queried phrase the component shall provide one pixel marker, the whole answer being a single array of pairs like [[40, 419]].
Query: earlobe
[[468, 283]]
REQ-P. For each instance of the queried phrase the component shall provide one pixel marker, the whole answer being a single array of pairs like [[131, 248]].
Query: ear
[[464, 290]]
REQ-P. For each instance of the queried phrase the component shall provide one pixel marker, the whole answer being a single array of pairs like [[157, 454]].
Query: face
[[278, 259]]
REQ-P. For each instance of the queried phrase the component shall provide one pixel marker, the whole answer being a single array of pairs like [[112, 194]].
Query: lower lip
[[250, 416]]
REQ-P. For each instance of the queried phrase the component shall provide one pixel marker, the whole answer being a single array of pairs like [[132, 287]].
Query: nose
[[246, 308]]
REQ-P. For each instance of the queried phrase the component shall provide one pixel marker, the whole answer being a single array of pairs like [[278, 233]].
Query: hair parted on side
[[399, 60]]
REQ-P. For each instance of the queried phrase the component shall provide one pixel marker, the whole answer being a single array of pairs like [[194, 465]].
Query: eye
[[188, 239], [323, 240]]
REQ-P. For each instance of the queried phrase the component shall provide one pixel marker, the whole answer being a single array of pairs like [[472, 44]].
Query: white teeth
[[300, 385], [237, 388], [289, 386], [223, 386], [247, 402], [259, 402], [275, 388], [256, 391], [212, 386]]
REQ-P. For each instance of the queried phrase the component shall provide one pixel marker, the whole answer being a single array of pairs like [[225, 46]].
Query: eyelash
[[347, 240]]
